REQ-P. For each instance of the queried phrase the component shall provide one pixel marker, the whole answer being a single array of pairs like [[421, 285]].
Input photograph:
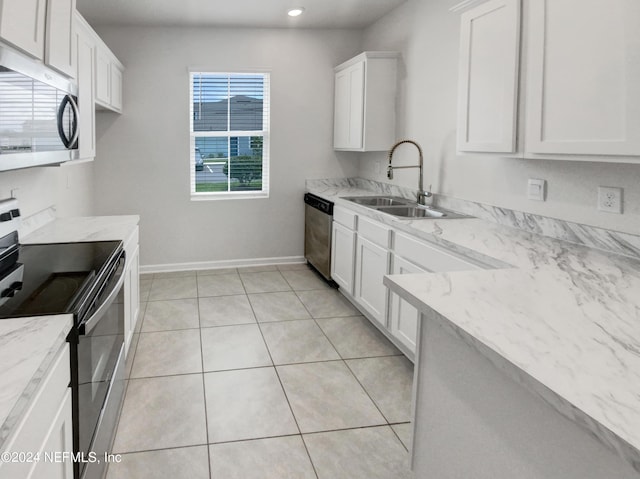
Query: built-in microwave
[[38, 114]]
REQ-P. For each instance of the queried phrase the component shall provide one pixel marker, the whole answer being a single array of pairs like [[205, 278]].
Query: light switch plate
[[610, 199], [536, 189]]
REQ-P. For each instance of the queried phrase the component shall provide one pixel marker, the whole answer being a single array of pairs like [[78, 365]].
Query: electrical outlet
[[610, 199], [536, 189]]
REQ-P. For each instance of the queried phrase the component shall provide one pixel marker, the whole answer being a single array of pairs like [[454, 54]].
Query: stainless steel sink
[[413, 212], [376, 201], [403, 207]]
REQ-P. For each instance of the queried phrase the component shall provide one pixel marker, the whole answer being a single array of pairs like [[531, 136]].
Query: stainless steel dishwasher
[[318, 216]]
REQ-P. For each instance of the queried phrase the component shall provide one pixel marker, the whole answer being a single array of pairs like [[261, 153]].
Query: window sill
[[236, 195]]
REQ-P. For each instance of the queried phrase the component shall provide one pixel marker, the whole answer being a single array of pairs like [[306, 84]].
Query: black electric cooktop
[[45, 279]]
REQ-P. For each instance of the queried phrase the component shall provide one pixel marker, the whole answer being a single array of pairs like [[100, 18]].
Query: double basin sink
[[403, 207]]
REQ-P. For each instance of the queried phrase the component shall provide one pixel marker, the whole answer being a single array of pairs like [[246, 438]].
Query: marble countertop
[[28, 345], [27, 349], [84, 228], [560, 318]]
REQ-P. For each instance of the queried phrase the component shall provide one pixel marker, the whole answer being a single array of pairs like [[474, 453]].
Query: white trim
[[231, 263], [465, 4], [229, 195]]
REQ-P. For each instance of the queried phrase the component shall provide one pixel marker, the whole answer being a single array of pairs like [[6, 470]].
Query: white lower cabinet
[[131, 289], [372, 263], [343, 243], [45, 428], [403, 318], [365, 250], [59, 439]]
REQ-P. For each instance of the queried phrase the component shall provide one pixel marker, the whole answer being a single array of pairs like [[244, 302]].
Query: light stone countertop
[[28, 345], [84, 228], [560, 318], [27, 349]]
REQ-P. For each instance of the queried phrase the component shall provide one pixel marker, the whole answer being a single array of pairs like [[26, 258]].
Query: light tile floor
[[262, 372]]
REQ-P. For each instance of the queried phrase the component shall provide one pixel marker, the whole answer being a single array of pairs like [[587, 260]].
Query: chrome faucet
[[421, 193]]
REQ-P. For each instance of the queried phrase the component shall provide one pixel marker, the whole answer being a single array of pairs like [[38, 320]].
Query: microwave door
[[39, 117]]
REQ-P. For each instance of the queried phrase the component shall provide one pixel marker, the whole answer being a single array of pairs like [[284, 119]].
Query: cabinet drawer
[[345, 217], [429, 257], [30, 433], [375, 232]]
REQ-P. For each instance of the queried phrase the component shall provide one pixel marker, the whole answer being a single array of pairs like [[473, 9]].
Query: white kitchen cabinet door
[[85, 78], [583, 77], [116, 87], [365, 95], [46, 422], [488, 77], [372, 263], [403, 318], [343, 252], [22, 23], [60, 49], [59, 439], [103, 77], [349, 104]]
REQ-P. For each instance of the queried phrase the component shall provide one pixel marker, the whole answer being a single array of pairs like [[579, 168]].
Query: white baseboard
[[231, 263]]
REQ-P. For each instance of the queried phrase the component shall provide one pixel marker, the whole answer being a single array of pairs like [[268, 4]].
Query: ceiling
[[236, 13]]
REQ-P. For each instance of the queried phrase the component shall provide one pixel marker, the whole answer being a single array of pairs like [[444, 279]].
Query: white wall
[[69, 188], [143, 155], [426, 34]]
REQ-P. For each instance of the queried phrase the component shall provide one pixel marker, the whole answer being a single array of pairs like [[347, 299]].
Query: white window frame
[[265, 133]]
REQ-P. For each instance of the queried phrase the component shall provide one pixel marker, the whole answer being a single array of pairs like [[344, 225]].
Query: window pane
[[213, 147], [210, 102], [246, 93], [246, 163], [211, 170]]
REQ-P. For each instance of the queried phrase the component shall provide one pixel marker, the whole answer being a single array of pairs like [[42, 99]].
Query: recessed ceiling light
[[295, 12]]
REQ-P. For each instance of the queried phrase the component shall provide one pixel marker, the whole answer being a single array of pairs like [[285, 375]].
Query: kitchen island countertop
[[562, 319]]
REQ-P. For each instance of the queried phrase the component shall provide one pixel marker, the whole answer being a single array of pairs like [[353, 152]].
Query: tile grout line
[[347, 365], [353, 374], [128, 380], [273, 365], [284, 391], [204, 387]]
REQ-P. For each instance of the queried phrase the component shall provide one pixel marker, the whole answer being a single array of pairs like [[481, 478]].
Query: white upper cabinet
[[488, 81], [580, 91], [22, 23], [365, 96], [116, 86], [86, 77], [42, 29], [349, 102], [583, 77], [60, 49], [108, 82]]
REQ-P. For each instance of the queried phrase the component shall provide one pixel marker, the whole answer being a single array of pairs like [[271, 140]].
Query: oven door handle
[[92, 322]]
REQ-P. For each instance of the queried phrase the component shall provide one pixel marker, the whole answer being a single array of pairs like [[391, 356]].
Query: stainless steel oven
[[97, 348], [39, 116]]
